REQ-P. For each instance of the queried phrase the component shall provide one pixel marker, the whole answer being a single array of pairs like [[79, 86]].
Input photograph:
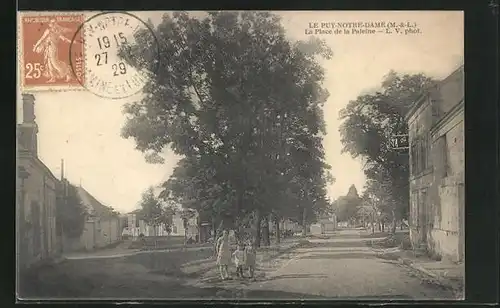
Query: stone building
[[136, 226], [436, 135], [102, 226], [36, 190], [192, 226]]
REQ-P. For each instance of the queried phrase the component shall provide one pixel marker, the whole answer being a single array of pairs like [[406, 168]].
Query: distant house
[[102, 225], [178, 226], [287, 225], [36, 191], [328, 223], [136, 226]]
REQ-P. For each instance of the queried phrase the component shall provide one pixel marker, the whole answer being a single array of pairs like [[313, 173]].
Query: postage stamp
[[44, 51], [83, 52]]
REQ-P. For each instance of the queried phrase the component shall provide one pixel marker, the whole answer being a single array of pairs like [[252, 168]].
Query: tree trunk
[[304, 222], [199, 230], [265, 231], [214, 230], [237, 232], [237, 223], [154, 235], [278, 235], [393, 230], [258, 220], [383, 226], [185, 236], [270, 226]]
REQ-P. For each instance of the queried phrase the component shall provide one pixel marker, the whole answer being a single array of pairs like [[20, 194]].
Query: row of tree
[[158, 213], [242, 105], [373, 208], [369, 122]]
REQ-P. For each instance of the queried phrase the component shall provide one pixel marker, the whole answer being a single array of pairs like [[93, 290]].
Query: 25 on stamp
[[45, 56]]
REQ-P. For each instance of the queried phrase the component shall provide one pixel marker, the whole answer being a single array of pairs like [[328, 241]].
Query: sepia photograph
[[240, 155]]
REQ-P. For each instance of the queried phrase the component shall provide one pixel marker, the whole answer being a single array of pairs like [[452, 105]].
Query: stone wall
[[420, 171], [39, 238], [437, 185], [446, 238], [96, 234]]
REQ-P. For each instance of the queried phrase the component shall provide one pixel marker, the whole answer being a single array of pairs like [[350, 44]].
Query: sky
[[84, 129]]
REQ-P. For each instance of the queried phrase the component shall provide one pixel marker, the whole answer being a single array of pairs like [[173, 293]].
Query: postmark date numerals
[[119, 69], [101, 58], [105, 42]]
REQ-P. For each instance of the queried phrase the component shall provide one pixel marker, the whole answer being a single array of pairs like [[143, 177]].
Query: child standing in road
[[239, 260], [223, 255], [250, 259]]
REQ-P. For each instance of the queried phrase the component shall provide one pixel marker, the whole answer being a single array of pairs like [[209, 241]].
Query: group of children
[[244, 257]]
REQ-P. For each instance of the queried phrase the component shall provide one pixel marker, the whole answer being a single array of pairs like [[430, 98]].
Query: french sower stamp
[[71, 51], [45, 51]]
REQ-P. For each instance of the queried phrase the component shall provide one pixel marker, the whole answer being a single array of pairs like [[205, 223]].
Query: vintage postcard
[[250, 155]]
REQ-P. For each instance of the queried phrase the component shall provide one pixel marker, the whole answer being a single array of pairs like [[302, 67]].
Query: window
[[413, 157], [443, 146], [419, 154], [414, 209]]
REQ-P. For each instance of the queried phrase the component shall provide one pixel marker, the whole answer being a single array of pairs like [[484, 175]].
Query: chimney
[[28, 129]]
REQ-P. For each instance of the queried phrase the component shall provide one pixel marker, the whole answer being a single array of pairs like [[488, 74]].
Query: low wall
[[444, 237], [445, 244]]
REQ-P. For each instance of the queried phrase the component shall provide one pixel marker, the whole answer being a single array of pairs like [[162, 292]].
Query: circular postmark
[[112, 69]]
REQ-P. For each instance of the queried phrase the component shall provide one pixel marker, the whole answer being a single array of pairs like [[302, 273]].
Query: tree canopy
[[370, 121], [70, 211], [242, 105], [153, 211]]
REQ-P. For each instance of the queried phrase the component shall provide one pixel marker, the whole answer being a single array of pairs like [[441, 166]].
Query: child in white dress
[[250, 259], [239, 260]]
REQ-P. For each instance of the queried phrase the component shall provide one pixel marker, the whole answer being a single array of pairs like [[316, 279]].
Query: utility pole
[[63, 203]]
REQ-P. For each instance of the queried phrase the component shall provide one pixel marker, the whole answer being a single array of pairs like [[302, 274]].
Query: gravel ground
[[341, 267]]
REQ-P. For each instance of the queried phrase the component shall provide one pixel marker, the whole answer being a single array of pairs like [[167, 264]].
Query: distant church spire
[[353, 192]]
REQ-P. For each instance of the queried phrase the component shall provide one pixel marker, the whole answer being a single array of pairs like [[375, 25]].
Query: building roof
[[93, 206], [421, 99], [26, 154]]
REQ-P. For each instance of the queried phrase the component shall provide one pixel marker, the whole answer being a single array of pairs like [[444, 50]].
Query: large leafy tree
[[368, 124], [70, 211], [153, 211], [242, 105]]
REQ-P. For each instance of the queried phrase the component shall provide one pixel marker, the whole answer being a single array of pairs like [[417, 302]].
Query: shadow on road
[[280, 295], [336, 244], [375, 235], [331, 256], [377, 297], [293, 276]]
